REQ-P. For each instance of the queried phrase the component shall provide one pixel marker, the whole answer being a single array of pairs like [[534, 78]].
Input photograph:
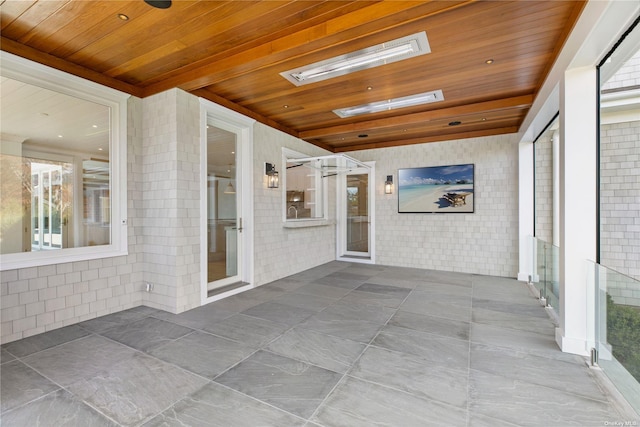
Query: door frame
[[242, 126], [341, 215]]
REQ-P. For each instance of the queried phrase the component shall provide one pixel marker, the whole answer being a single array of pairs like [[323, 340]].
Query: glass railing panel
[[617, 330], [546, 276]]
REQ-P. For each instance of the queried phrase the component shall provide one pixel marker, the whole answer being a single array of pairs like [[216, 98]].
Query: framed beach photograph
[[436, 189]]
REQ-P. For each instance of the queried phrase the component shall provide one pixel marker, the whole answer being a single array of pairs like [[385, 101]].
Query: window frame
[[288, 154], [36, 74]]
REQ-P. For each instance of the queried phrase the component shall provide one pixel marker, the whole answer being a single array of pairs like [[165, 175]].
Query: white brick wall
[[171, 200], [485, 242], [544, 188], [279, 251], [39, 299], [620, 205], [627, 76]]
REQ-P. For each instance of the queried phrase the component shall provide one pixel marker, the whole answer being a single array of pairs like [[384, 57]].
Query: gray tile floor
[[338, 345]]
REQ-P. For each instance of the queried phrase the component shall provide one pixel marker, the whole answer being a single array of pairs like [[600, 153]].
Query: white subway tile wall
[[483, 242], [544, 188], [280, 251], [620, 205]]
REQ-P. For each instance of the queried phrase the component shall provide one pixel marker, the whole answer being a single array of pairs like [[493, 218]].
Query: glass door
[[223, 205], [356, 219]]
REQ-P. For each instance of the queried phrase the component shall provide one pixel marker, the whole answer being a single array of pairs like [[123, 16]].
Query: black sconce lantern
[[272, 175], [388, 185]]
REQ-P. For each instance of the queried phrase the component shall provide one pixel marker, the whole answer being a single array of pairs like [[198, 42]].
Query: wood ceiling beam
[[349, 27], [458, 112], [44, 58], [427, 139]]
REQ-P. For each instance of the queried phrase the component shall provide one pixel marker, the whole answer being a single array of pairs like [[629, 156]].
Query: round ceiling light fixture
[[159, 4]]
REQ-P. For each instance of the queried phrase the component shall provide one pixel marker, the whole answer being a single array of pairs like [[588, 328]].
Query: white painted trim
[[526, 253], [288, 154], [242, 126], [21, 69], [341, 253]]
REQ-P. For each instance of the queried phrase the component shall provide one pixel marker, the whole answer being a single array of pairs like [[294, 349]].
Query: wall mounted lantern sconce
[[272, 175], [388, 185]]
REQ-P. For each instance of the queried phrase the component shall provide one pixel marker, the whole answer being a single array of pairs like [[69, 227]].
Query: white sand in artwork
[[432, 201]]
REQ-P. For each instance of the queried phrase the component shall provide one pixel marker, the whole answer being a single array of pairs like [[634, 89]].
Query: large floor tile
[[524, 309], [344, 279], [434, 325], [562, 375], [247, 330], [450, 306], [530, 342], [216, 406], [412, 374], [522, 322], [82, 358], [355, 330], [20, 384], [204, 354], [437, 350], [197, 318], [329, 352], [136, 389], [309, 302], [356, 403], [36, 343], [343, 310], [527, 404], [288, 384], [236, 303], [147, 333], [279, 313], [102, 323], [444, 288], [58, 409], [392, 300], [323, 290], [5, 356]]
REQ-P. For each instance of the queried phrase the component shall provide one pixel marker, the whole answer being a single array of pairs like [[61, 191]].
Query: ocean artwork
[[436, 189]]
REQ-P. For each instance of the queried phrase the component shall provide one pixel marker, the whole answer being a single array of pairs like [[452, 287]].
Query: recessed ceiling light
[[374, 56], [369, 88], [59, 136], [100, 149], [489, 61], [233, 152], [391, 104], [94, 126], [123, 17], [285, 106]]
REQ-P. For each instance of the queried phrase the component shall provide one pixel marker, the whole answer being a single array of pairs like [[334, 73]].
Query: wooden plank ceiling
[[232, 52]]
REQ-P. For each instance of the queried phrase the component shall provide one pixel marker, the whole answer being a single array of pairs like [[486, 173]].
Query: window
[[62, 165], [305, 187]]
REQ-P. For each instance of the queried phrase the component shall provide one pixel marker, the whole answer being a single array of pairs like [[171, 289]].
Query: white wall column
[[577, 225], [555, 146], [525, 210]]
